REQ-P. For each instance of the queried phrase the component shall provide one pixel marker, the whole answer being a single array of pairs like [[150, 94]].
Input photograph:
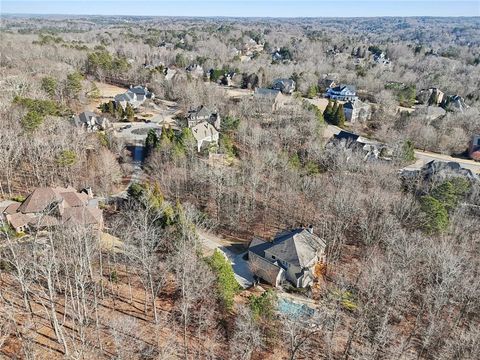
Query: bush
[[436, 214], [227, 285], [31, 121], [450, 192], [263, 306], [41, 107], [66, 158]]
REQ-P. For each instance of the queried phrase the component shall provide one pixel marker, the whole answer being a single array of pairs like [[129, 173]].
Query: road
[[422, 157], [425, 156], [240, 267]]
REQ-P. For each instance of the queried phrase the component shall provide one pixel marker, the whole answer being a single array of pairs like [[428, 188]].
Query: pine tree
[[327, 113], [129, 112], [111, 108], [339, 116], [332, 119]]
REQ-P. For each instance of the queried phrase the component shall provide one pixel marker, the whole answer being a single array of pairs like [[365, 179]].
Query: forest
[[399, 277]]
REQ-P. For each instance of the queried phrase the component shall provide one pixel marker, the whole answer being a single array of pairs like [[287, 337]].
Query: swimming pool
[[294, 309]]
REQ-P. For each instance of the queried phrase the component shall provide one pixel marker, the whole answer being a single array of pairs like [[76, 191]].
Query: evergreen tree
[[111, 108], [327, 113], [332, 114], [129, 112], [339, 116]]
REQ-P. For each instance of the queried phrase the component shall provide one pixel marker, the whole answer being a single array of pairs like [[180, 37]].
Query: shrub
[[227, 285], [263, 306], [66, 158], [436, 215]]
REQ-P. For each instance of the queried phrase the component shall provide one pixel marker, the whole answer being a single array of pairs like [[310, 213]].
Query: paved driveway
[[243, 275]]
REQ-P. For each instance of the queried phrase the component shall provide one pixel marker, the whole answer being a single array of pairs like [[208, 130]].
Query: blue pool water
[[294, 309]]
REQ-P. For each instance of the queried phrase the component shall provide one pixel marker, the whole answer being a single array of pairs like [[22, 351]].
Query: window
[[273, 257], [478, 141]]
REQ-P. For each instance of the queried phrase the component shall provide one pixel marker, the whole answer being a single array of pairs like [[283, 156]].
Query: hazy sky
[[249, 8]]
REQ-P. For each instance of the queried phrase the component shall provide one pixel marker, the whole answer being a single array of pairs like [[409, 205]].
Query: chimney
[[310, 229]]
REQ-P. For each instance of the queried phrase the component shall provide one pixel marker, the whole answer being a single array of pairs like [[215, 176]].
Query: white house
[[135, 96], [342, 92]]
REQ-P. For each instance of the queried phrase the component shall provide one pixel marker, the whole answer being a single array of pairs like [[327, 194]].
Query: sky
[[248, 8]]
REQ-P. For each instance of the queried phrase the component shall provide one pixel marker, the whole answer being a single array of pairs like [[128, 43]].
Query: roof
[[345, 135], [342, 87], [82, 216], [39, 200], [17, 220], [203, 130], [8, 206], [266, 93], [258, 246], [298, 247], [200, 112], [74, 199]]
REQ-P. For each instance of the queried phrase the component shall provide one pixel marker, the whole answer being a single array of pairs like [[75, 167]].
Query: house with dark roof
[[135, 96], [286, 86], [90, 121], [202, 113], [271, 98], [291, 256], [342, 92]]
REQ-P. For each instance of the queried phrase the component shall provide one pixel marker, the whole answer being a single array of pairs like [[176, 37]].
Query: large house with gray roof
[[342, 92], [291, 256], [135, 96]]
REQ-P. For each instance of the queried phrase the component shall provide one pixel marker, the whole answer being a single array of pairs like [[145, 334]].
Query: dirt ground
[[107, 92]]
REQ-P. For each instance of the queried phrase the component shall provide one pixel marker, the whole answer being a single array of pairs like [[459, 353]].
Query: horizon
[[245, 9]]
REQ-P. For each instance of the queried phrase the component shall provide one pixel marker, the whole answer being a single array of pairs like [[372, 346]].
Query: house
[[342, 92], [286, 86], [431, 96], [356, 110], [135, 96], [371, 149], [381, 59], [291, 256], [195, 70], [438, 171], [52, 206], [270, 97], [202, 114], [474, 147], [205, 134], [326, 84], [91, 121], [170, 73]]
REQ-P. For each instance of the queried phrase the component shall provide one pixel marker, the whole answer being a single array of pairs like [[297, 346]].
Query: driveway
[[240, 267]]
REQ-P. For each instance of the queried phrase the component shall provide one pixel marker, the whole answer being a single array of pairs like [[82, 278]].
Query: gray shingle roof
[[297, 247]]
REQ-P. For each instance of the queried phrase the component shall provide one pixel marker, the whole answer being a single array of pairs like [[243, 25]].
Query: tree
[[312, 91], [227, 285], [436, 215], [450, 192], [339, 117], [152, 141], [129, 112], [263, 306], [74, 84], [49, 85], [328, 112], [31, 121], [408, 151]]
